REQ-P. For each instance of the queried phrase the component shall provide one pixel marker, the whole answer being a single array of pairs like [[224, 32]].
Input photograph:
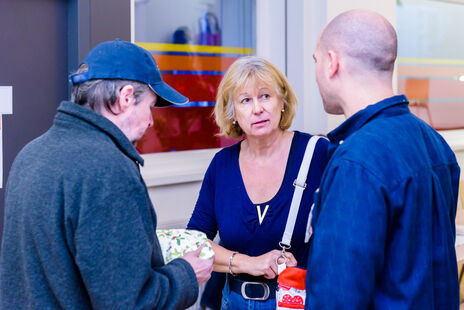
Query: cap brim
[[167, 95]]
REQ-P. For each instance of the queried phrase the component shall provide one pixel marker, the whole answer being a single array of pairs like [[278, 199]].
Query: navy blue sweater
[[79, 228], [224, 206]]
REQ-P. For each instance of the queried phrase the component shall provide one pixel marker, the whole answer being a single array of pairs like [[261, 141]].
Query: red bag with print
[[291, 289]]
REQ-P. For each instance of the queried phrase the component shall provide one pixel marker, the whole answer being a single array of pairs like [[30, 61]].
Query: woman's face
[[258, 109]]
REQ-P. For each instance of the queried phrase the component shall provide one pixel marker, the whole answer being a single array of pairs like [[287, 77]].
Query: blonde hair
[[242, 71]]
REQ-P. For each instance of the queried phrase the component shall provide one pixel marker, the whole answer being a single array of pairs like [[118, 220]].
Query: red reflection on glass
[[195, 87], [180, 129]]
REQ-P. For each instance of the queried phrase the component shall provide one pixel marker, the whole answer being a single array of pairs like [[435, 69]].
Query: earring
[[234, 123], [283, 110]]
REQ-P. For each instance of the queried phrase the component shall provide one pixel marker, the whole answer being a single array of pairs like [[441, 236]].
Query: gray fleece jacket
[[79, 229]]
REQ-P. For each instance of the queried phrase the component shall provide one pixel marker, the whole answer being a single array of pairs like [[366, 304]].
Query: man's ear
[[126, 99], [334, 63]]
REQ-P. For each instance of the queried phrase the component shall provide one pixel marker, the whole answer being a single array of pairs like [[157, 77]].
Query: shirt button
[[340, 142]]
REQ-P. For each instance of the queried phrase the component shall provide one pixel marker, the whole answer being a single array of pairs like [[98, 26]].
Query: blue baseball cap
[[126, 61]]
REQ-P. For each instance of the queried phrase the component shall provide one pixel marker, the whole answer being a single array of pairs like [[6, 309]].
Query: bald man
[[383, 221]]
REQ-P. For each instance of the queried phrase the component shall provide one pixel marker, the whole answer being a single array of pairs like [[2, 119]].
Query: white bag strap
[[300, 186]]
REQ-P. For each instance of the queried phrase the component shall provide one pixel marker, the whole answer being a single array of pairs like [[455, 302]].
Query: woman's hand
[[266, 264], [263, 265], [291, 260]]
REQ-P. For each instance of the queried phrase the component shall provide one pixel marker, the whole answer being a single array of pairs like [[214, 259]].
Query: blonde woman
[[248, 187]]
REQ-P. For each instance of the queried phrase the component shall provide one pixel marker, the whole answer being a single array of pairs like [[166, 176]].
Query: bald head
[[366, 39]]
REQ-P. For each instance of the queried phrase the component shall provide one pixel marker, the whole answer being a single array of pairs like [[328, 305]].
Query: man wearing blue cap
[[79, 228]]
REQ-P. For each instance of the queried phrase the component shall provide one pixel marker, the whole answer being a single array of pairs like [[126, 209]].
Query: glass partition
[[431, 60], [193, 42]]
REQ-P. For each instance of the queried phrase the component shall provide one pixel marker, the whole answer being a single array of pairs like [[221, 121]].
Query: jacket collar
[[103, 124], [360, 118]]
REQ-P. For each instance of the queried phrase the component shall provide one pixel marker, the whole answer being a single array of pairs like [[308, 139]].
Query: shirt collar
[[102, 123], [357, 120]]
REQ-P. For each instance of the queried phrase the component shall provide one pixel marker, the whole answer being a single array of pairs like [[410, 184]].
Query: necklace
[[261, 215]]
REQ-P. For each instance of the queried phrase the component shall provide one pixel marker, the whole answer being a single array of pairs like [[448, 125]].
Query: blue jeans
[[234, 301]]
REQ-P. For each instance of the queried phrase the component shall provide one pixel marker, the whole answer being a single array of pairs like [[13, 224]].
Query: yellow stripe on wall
[[430, 61], [169, 47]]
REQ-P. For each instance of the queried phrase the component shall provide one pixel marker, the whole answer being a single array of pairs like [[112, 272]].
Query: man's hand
[[202, 267]]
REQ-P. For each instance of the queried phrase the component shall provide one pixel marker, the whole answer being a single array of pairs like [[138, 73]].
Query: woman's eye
[[266, 96], [244, 100]]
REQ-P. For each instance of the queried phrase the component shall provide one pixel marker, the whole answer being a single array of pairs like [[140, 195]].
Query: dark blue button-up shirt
[[384, 217]]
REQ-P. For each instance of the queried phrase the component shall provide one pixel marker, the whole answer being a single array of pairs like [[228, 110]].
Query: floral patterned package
[[176, 242]]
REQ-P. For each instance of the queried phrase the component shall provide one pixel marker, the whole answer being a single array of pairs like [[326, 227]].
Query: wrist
[[231, 259]]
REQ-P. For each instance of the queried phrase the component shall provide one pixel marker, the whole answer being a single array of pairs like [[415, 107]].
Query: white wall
[[270, 29], [173, 181], [305, 19], [455, 139]]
